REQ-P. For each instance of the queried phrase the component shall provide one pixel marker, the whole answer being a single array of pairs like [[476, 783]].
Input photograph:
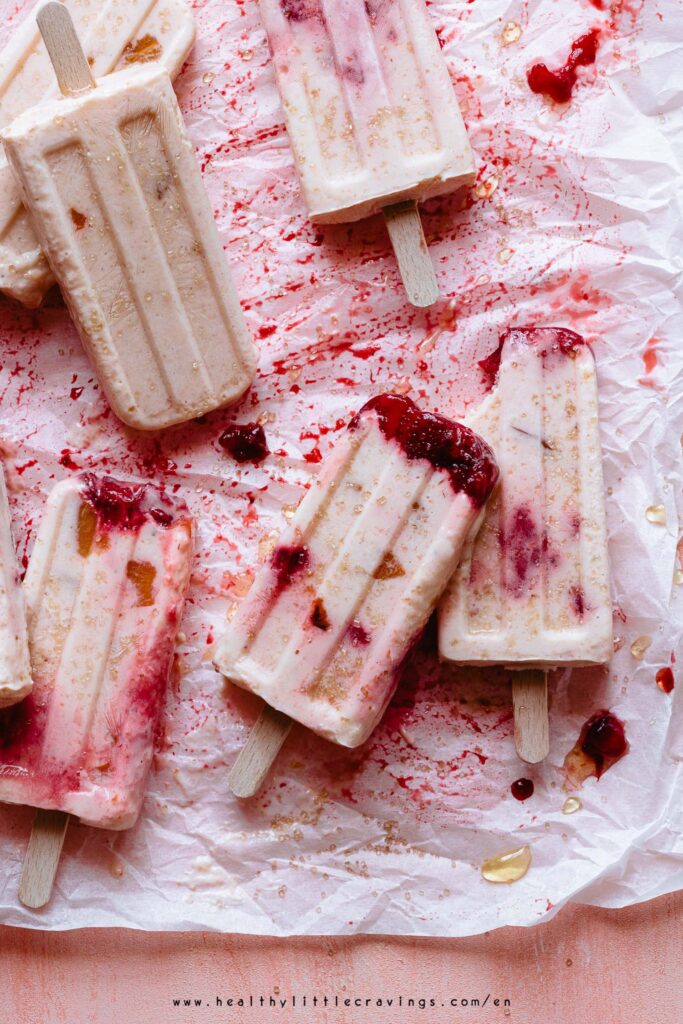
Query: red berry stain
[[578, 600], [522, 789], [490, 366], [665, 680], [300, 10], [287, 562], [66, 460], [160, 516], [522, 542], [467, 459], [601, 744], [246, 442], [123, 506], [550, 341], [358, 635], [559, 84]]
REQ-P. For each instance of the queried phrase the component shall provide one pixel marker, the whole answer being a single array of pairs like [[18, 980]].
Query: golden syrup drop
[[507, 867], [656, 514], [115, 867], [639, 646], [678, 577], [571, 805]]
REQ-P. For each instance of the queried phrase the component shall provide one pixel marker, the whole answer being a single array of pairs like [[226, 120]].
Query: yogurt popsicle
[[111, 180], [369, 105], [15, 669], [532, 590], [323, 632], [115, 34], [104, 595]]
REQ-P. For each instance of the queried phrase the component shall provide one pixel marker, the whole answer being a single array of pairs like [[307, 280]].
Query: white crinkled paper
[[575, 220]]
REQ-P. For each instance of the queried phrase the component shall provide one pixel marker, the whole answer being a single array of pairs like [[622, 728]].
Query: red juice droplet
[[665, 680], [522, 789]]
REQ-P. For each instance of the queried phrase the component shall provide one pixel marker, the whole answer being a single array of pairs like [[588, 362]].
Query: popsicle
[[15, 669], [372, 117], [104, 594], [329, 619], [115, 34], [111, 180], [532, 590]]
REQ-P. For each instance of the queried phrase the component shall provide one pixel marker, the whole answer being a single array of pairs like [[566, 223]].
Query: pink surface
[[610, 966]]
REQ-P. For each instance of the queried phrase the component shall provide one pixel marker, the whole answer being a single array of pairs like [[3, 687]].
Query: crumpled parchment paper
[[575, 220]]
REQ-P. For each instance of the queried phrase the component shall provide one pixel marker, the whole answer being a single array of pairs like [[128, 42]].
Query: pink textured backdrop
[[606, 966]]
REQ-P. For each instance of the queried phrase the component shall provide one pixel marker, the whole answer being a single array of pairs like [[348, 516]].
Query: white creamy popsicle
[[323, 632], [104, 593], [370, 108], [116, 195], [15, 669], [371, 115], [115, 34], [532, 589]]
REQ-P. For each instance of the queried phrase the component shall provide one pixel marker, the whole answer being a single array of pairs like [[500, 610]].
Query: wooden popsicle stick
[[42, 857], [257, 755], [414, 263], [49, 827], [66, 53], [530, 704]]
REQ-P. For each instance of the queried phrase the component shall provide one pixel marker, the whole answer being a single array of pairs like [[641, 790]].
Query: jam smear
[[142, 576], [559, 83], [447, 445], [246, 442], [665, 680], [287, 562], [522, 789], [78, 219], [117, 505], [161, 516], [490, 365], [143, 50], [601, 744], [524, 549], [578, 601], [358, 635], [319, 616], [389, 568], [87, 528], [549, 341], [300, 10]]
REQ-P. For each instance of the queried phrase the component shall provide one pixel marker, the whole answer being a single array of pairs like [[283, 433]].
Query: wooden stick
[[42, 858], [70, 63], [414, 263], [257, 755], [49, 827], [530, 703]]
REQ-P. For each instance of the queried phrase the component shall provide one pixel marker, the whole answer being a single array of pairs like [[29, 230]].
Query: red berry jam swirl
[[447, 445]]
